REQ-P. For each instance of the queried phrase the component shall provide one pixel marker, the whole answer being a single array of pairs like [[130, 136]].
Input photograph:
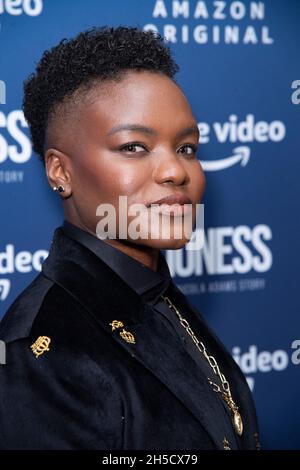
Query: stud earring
[[59, 188]]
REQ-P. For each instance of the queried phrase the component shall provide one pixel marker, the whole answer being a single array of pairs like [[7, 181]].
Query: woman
[[103, 351]]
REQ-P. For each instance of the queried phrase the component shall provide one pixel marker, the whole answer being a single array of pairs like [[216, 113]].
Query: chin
[[167, 244]]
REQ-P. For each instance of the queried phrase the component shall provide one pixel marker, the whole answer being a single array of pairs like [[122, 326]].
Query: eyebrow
[[193, 129]]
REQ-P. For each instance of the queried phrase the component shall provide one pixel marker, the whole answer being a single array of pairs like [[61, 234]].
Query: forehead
[[139, 97]]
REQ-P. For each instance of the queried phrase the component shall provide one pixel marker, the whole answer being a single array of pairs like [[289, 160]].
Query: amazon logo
[[240, 133], [239, 155]]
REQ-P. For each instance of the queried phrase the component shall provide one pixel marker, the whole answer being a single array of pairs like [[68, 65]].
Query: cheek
[[198, 182], [109, 177]]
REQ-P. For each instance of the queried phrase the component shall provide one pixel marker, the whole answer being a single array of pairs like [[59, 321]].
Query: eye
[[132, 147], [192, 149]]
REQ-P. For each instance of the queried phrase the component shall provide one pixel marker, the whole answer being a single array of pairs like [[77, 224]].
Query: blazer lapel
[[106, 297]]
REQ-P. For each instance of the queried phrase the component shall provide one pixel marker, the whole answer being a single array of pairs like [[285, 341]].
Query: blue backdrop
[[240, 70]]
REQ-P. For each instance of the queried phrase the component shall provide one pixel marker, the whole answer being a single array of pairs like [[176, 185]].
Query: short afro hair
[[100, 53]]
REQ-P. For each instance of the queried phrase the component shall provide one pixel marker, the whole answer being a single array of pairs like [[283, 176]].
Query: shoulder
[[30, 330], [46, 313], [42, 302], [43, 306], [18, 320]]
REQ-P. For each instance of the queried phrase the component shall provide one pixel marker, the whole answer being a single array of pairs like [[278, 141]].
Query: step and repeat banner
[[240, 68]]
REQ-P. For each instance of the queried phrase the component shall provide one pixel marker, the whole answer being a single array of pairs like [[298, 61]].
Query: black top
[[150, 285]]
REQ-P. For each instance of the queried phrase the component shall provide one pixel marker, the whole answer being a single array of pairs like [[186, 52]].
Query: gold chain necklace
[[225, 393]]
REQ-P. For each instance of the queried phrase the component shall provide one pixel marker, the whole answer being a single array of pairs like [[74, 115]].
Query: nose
[[170, 169]]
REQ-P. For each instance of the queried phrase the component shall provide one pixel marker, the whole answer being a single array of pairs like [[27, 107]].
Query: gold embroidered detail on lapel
[[40, 345], [127, 336], [116, 324], [226, 444]]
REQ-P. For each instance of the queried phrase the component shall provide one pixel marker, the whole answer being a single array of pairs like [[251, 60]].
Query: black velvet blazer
[[71, 381]]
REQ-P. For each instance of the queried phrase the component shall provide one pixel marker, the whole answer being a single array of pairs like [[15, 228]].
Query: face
[[136, 138]]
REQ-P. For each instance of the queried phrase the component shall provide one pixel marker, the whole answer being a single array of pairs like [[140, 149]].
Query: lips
[[174, 204], [173, 199]]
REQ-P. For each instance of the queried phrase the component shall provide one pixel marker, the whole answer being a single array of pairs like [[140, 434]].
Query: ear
[[56, 164]]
